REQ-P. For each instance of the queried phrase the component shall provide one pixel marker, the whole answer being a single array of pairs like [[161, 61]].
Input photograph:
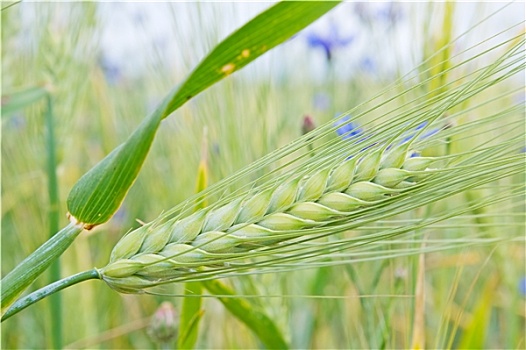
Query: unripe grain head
[[160, 252]]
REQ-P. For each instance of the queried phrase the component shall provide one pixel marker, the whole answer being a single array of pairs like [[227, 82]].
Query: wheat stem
[[16, 281], [48, 290]]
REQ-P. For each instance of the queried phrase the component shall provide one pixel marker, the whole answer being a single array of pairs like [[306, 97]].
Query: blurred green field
[[473, 290]]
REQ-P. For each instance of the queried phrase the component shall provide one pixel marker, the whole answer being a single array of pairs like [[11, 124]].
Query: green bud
[[368, 166], [216, 241], [254, 208], [130, 244], [283, 196], [122, 268], [183, 253], [342, 176], [367, 191], [157, 238], [155, 274], [418, 163], [250, 231], [154, 265], [341, 201], [313, 211], [314, 186], [222, 217], [396, 157], [284, 222], [255, 236], [404, 184], [419, 176], [130, 284], [188, 228], [391, 177]]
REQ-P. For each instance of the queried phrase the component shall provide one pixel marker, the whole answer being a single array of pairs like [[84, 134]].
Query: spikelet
[[155, 253]]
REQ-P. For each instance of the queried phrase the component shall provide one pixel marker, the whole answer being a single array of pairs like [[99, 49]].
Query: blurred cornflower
[[364, 12], [400, 276], [368, 65], [328, 41], [139, 17], [400, 273], [164, 326], [522, 286], [425, 135], [390, 12], [16, 122], [351, 130], [121, 217], [519, 98], [216, 148], [347, 129], [321, 101], [111, 70]]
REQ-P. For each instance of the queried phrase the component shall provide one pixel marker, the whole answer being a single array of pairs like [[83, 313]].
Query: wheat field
[[359, 186]]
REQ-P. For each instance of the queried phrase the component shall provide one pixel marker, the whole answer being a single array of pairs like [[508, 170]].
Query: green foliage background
[[363, 305]]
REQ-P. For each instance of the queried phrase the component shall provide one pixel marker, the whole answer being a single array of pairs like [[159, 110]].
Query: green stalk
[[190, 315], [54, 273], [28, 270], [258, 322], [48, 290], [191, 307]]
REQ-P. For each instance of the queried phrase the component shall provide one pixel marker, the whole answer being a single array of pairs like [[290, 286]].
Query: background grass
[[367, 304]]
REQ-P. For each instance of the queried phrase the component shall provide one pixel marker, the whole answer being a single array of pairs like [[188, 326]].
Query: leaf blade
[[98, 194], [257, 321], [247, 44]]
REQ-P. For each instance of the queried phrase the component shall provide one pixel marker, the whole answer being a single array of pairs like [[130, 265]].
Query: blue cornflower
[[391, 13], [368, 65], [373, 14], [111, 70], [321, 101], [427, 134], [17, 121], [351, 131], [522, 286], [121, 216], [328, 42], [347, 129]]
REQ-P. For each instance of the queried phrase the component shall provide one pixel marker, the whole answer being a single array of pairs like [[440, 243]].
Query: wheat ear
[[155, 253]]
